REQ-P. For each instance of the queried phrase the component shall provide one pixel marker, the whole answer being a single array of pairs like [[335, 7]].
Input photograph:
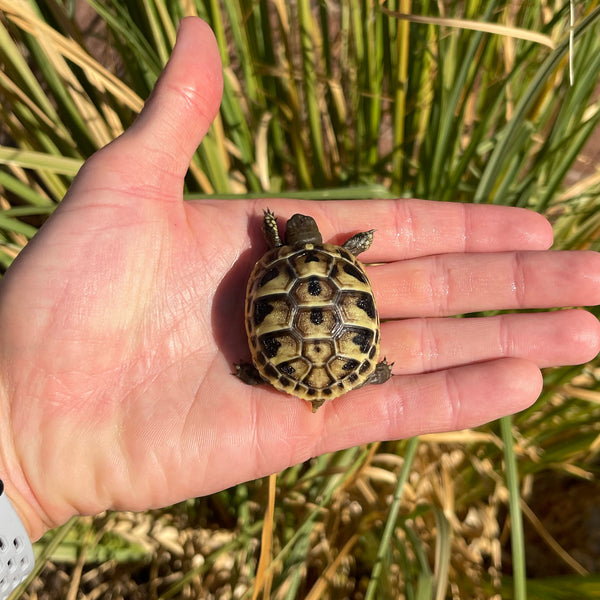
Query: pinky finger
[[447, 400]]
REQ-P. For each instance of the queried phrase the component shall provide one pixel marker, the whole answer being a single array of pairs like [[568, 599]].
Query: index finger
[[411, 228]]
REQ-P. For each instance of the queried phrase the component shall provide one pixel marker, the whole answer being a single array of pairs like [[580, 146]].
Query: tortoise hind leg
[[382, 372], [248, 373], [359, 243]]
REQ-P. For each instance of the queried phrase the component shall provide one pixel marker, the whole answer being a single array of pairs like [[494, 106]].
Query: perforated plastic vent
[[15, 564], [16, 552]]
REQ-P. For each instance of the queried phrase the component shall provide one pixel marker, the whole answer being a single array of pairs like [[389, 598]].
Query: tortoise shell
[[311, 320]]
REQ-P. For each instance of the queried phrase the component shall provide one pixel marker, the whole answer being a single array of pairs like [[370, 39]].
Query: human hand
[[120, 321]]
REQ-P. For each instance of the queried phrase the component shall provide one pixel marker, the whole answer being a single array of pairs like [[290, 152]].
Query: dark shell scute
[[286, 368], [268, 276], [271, 346], [345, 254], [355, 272], [365, 302], [363, 340], [314, 287], [350, 365], [316, 316], [261, 309], [271, 372]]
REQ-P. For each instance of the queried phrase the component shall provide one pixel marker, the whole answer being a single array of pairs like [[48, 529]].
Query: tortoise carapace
[[312, 324]]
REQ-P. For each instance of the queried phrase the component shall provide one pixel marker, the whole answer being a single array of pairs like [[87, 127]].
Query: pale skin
[[120, 321]]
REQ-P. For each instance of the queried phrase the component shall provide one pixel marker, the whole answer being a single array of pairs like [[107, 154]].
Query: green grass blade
[[10, 224], [453, 105], [506, 145], [24, 191], [307, 29], [516, 516], [22, 74], [390, 525], [43, 550], [40, 161]]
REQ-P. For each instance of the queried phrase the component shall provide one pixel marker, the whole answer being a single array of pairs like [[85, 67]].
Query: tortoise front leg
[[270, 231], [359, 243]]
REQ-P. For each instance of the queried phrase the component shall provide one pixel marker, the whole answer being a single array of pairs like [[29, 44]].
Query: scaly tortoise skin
[[311, 319]]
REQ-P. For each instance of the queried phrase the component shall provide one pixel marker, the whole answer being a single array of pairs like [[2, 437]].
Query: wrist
[[16, 553], [15, 484]]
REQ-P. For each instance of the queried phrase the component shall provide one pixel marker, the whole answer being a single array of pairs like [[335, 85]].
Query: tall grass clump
[[463, 101]]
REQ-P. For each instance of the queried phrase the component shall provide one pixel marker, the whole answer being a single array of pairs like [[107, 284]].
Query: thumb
[[183, 104]]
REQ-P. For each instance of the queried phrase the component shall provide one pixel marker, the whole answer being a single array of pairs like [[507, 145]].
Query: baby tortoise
[[311, 320]]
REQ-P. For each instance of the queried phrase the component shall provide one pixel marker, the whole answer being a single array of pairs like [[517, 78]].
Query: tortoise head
[[302, 229]]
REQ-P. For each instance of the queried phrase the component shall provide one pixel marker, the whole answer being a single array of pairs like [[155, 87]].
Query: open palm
[[120, 322]]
